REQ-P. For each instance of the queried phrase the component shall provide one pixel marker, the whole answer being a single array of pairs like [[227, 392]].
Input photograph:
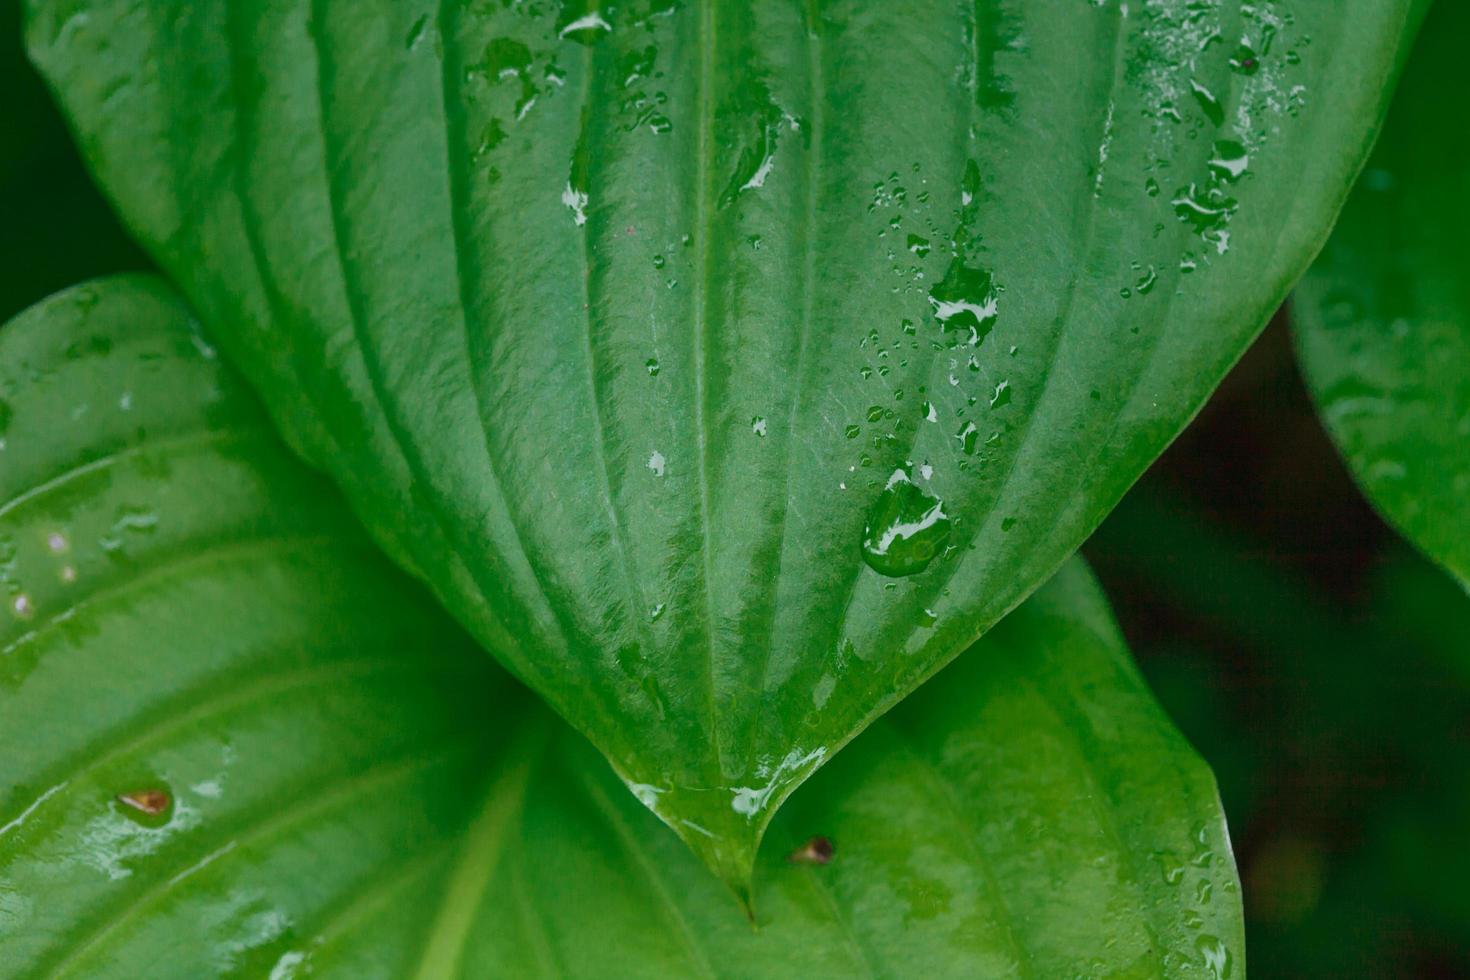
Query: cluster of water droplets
[[939, 260], [1229, 86], [1194, 871], [530, 62]]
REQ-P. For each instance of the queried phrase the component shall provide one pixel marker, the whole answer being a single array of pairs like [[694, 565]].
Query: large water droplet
[[1230, 160], [1216, 956], [965, 301], [905, 530]]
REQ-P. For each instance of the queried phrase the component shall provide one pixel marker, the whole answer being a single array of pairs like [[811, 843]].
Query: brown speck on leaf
[[150, 802], [818, 850]]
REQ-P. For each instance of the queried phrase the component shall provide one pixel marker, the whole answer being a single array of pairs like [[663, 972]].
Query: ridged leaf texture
[[237, 742], [728, 368]]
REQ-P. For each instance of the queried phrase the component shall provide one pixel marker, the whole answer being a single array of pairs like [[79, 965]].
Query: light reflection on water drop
[[905, 530]]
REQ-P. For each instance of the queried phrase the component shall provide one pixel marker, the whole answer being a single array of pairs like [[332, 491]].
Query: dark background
[[1319, 666]]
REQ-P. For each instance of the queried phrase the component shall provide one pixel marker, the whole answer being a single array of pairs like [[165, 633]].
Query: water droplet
[[1244, 60], [906, 528], [585, 29], [659, 261], [919, 245], [22, 606], [1210, 105], [1170, 867], [1230, 160], [1151, 187], [1147, 281], [652, 365], [1002, 395], [490, 137], [415, 32], [656, 463], [57, 542], [507, 58], [969, 437], [1204, 890], [1208, 210], [966, 301], [758, 426], [853, 431], [970, 183], [577, 201], [761, 135], [931, 414], [1215, 955], [656, 613]]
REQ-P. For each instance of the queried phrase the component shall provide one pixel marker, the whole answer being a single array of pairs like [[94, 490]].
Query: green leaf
[[349, 788], [1383, 319], [727, 369]]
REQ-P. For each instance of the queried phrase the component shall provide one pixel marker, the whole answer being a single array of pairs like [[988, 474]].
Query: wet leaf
[[519, 276], [242, 744]]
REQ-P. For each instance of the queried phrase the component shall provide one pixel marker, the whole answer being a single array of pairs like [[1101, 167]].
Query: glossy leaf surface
[[235, 742], [728, 368], [1383, 319]]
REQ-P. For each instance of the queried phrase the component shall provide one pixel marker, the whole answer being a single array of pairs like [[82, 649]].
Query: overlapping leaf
[[728, 368], [1383, 319], [235, 742]]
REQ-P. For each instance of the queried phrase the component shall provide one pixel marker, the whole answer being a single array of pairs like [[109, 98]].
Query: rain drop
[[905, 530]]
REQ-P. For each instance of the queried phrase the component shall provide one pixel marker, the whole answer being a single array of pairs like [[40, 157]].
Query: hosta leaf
[[1383, 319], [235, 742], [728, 368]]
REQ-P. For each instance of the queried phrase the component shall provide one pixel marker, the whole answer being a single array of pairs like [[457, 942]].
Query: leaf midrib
[[702, 174]]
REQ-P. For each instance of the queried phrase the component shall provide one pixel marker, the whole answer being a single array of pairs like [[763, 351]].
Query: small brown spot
[[149, 802], [818, 850]]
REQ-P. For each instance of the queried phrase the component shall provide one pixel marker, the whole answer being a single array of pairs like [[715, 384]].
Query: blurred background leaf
[[1382, 320], [1321, 667]]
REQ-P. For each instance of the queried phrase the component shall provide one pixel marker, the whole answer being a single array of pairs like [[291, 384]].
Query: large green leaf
[[1383, 319], [728, 368], [351, 789]]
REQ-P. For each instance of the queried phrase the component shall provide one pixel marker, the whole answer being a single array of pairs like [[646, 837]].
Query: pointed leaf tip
[[523, 290]]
